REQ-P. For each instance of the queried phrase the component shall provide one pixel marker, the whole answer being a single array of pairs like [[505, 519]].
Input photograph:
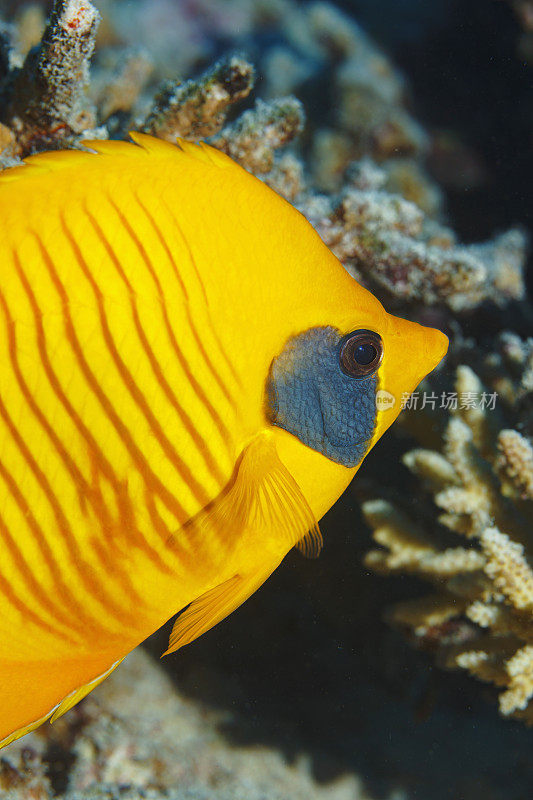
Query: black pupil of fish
[[364, 354]]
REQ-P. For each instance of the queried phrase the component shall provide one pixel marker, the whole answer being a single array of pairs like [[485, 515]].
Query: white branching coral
[[516, 461], [481, 617]]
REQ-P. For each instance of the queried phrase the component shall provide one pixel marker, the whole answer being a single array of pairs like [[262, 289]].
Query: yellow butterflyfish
[[189, 379]]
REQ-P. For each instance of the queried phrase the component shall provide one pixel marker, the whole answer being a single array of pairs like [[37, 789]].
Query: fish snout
[[411, 351]]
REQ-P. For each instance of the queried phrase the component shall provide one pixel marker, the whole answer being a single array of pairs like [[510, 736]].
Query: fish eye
[[361, 353]]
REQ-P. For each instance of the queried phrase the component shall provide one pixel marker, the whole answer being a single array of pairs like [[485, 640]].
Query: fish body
[[163, 318]]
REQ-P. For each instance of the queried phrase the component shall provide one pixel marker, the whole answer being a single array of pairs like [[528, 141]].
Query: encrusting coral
[[481, 616], [46, 103], [389, 241], [380, 222]]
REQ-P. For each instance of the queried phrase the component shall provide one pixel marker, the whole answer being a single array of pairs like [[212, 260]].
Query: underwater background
[[399, 664]]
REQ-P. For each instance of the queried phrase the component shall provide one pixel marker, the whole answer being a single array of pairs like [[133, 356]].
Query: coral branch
[[48, 98], [520, 671], [516, 462], [508, 568], [198, 108], [254, 137], [390, 242], [482, 618]]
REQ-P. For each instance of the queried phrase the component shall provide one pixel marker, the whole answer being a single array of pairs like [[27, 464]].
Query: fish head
[[338, 392], [338, 387]]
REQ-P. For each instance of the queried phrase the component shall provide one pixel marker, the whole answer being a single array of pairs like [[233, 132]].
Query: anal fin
[[211, 608], [74, 697], [33, 692]]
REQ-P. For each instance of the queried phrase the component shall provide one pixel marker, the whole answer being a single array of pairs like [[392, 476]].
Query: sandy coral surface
[[163, 747]]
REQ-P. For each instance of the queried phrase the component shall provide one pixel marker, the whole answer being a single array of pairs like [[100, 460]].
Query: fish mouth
[[412, 351], [436, 349]]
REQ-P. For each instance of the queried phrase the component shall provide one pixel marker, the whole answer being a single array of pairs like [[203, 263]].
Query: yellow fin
[[39, 685], [152, 144], [199, 150], [114, 147], [311, 544], [211, 608], [74, 697], [23, 731], [263, 500], [44, 162], [264, 503], [142, 145]]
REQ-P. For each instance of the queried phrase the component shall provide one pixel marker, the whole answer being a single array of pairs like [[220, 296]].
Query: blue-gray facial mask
[[322, 389]]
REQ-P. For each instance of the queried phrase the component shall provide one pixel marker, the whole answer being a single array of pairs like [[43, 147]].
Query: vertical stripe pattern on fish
[[187, 383]]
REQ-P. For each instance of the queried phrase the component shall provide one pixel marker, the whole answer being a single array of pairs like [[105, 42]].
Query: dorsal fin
[[200, 151], [142, 145], [48, 161]]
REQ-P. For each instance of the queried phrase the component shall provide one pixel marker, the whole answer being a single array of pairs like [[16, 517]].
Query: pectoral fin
[[264, 502], [263, 499]]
